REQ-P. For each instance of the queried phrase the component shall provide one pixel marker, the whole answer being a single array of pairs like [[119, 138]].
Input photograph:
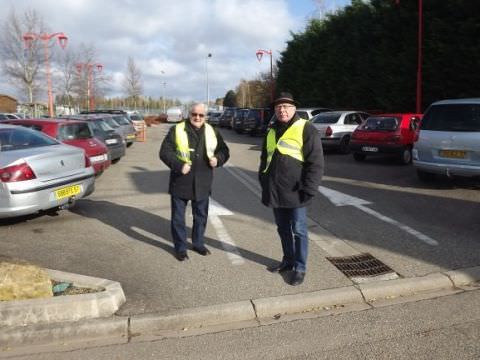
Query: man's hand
[[213, 162], [186, 168]]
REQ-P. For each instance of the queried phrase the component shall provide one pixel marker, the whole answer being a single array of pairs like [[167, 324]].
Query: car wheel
[[345, 145], [129, 144], [406, 156], [359, 156], [114, 161], [425, 176]]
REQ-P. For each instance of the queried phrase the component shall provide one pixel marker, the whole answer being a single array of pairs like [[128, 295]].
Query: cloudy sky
[[170, 40]]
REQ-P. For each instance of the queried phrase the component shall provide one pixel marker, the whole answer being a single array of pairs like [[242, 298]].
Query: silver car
[[39, 173], [336, 127], [129, 132], [449, 140]]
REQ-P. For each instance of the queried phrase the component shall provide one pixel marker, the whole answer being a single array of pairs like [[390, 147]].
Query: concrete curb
[[65, 308], [192, 318], [404, 287], [306, 302], [115, 329]]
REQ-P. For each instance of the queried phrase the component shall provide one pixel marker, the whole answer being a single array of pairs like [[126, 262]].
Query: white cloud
[[174, 37]]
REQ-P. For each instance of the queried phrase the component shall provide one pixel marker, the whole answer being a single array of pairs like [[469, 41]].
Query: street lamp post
[[62, 41], [90, 68], [163, 96], [206, 71], [418, 106], [163, 92], [259, 54]]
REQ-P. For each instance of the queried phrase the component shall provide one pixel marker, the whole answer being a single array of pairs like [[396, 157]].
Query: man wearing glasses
[[192, 149], [291, 167]]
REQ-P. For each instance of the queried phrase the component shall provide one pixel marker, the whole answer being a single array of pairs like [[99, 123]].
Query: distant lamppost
[[163, 93], [90, 69], [206, 71], [418, 106], [62, 41], [259, 54]]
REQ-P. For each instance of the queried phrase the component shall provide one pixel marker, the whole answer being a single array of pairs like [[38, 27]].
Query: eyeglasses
[[285, 107], [197, 114]]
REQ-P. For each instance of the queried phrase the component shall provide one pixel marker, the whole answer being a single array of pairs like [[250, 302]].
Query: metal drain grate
[[363, 265]]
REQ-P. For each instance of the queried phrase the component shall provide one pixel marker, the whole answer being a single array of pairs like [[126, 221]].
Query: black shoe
[[202, 251], [297, 278], [181, 256], [280, 268]]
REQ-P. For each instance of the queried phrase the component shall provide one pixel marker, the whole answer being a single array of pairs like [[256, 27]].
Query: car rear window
[[323, 118], [381, 123], [21, 138], [74, 132], [452, 117]]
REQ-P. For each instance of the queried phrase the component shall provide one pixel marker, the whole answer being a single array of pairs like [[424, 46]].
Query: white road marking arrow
[[341, 199], [215, 210]]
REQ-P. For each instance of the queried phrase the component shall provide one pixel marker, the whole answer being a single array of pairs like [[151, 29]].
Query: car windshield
[[381, 123], [135, 117], [22, 138], [110, 121], [74, 132], [324, 118], [452, 117], [122, 120], [102, 125]]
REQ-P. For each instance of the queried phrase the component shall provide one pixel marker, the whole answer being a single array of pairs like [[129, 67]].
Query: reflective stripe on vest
[[290, 144], [183, 148]]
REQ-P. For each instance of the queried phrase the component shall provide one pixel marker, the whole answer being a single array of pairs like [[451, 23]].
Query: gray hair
[[198, 104]]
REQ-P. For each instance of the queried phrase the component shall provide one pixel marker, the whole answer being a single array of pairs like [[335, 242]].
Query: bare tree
[[132, 82], [67, 77], [86, 74], [21, 66]]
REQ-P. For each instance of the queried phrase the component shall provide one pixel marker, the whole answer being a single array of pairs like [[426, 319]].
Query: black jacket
[[197, 184], [288, 182]]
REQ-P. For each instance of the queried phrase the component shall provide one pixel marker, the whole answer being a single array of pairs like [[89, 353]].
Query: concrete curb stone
[[306, 302], [65, 308], [122, 329]]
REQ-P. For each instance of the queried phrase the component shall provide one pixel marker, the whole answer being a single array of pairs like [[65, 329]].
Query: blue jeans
[[178, 227], [293, 231]]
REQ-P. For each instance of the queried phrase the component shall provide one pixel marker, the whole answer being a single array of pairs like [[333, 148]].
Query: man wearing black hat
[[291, 168]]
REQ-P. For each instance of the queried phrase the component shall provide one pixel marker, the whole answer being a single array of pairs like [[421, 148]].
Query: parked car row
[[445, 141], [40, 167]]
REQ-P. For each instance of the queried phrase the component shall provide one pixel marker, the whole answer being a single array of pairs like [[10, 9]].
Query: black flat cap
[[284, 97]]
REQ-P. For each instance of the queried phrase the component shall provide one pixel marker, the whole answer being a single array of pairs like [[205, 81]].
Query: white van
[[174, 115], [449, 140]]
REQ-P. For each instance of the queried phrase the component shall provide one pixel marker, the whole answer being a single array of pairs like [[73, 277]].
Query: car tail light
[[19, 172], [88, 163], [328, 131]]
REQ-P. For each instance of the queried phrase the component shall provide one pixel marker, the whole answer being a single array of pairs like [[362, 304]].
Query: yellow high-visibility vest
[[291, 142], [183, 148]]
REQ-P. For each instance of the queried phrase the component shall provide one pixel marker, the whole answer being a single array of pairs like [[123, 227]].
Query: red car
[[75, 133], [386, 134]]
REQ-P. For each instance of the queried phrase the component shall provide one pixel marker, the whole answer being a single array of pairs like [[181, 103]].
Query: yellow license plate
[[68, 191], [456, 154]]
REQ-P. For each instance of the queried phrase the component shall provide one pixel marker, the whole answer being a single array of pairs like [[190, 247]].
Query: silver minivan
[[449, 140]]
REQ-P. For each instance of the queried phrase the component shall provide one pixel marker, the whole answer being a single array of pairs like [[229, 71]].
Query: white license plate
[[369, 148], [98, 158]]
